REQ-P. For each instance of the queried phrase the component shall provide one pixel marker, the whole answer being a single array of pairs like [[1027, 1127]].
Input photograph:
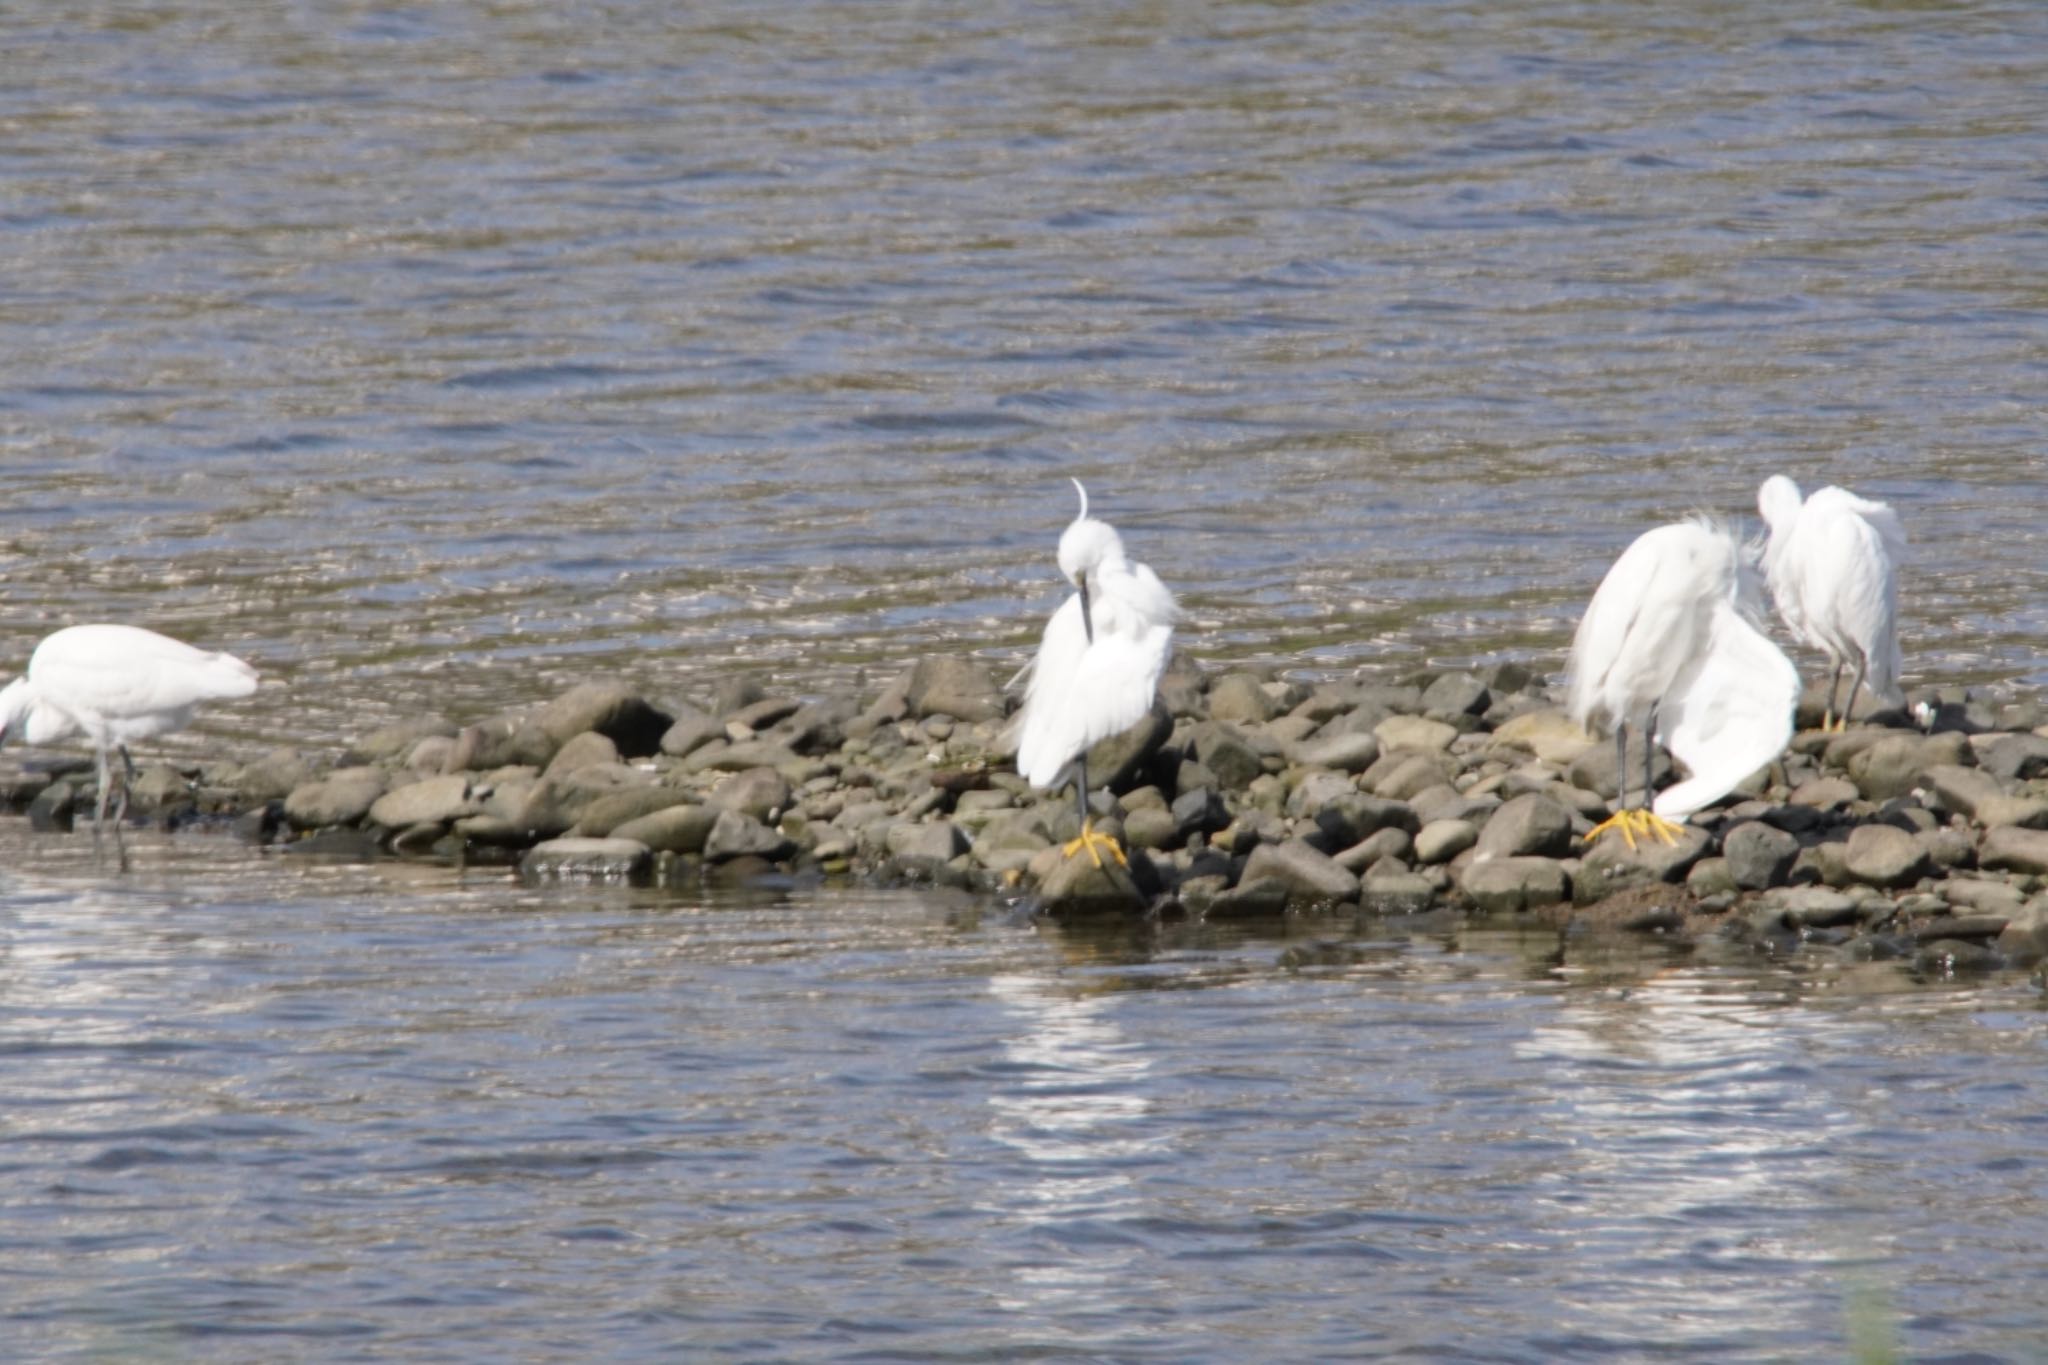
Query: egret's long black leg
[[127, 777], [99, 814], [1649, 754], [1827, 714], [1849, 706], [1081, 787]]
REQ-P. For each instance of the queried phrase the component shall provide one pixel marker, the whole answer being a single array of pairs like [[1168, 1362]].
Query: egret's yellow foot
[[1637, 823], [1090, 840]]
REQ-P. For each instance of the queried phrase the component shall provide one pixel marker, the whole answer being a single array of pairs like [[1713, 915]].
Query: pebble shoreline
[[1241, 795]]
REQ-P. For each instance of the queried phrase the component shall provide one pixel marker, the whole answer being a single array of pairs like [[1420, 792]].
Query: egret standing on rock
[[1832, 564], [1669, 636], [1098, 666], [114, 685]]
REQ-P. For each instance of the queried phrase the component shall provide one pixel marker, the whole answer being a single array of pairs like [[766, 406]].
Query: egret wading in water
[[1098, 665], [1670, 637], [1832, 563], [115, 685]]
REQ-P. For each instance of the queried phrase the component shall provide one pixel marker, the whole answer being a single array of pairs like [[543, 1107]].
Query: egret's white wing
[[1046, 729], [1645, 619], [125, 671], [1082, 692], [1728, 714]]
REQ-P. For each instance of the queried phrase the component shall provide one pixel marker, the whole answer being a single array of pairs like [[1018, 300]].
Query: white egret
[[1832, 563], [1669, 635], [1098, 665], [115, 685]]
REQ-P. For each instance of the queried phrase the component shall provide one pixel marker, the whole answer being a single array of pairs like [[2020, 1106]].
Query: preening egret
[[1097, 667], [1669, 635], [114, 685], [1832, 563]]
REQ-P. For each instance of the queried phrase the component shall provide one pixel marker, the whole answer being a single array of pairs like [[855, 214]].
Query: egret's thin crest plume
[[1084, 496]]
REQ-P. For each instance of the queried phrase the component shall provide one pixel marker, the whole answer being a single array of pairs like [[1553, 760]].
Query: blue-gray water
[[436, 356]]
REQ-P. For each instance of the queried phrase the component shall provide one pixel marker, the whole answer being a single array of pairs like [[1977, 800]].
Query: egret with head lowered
[[1832, 563], [1098, 665], [115, 685], [1669, 644]]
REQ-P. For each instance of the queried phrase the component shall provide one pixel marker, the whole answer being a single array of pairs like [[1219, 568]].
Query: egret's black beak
[[1087, 625]]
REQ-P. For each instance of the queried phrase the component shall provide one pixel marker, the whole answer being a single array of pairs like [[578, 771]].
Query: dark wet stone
[[54, 808], [262, 824], [761, 714], [343, 843], [587, 860], [612, 709], [343, 797], [948, 685], [1509, 885], [1527, 826], [672, 829], [1758, 855], [1198, 811], [817, 727], [1310, 875]]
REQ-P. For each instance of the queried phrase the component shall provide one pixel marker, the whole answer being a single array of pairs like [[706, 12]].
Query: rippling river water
[[440, 355]]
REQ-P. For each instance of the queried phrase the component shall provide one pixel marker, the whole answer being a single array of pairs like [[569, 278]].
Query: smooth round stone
[[587, 860]]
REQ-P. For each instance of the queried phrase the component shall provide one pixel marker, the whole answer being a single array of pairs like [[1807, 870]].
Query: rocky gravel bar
[[1241, 795]]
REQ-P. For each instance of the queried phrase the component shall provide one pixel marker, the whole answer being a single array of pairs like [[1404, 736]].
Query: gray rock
[[389, 741], [1824, 793], [1075, 887], [2030, 811], [817, 727], [604, 815], [1758, 855], [1456, 694], [1550, 734], [690, 732], [273, 776], [1594, 769], [1948, 848], [1711, 877], [759, 715], [2014, 848], [610, 708], [1439, 841], [1613, 866], [430, 801], [672, 829], [2025, 936], [1241, 699], [734, 835], [1249, 900], [1114, 762], [926, 847], [1401, 774], [1958, 790], [1350, 819], [1509, 885], [1879, 855], [1894, 765], [761, 793], [1397, 893], [1198, 810], [1151, 827], [1414, 732], [1816, 907], [740, 756], [587, 750], [160, 789], [54, 808], [1309, 875], [343, 797], [1391, 842], [1342, 753], [1527, 826], [1227, 752], [499, 742], [552, 806], [1982, 896], [1317, 789], [948, 685], [587, 860], [2015, 758]]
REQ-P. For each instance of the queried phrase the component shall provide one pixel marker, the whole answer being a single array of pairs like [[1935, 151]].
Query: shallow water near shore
[[265, 1108], [436, 358]]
